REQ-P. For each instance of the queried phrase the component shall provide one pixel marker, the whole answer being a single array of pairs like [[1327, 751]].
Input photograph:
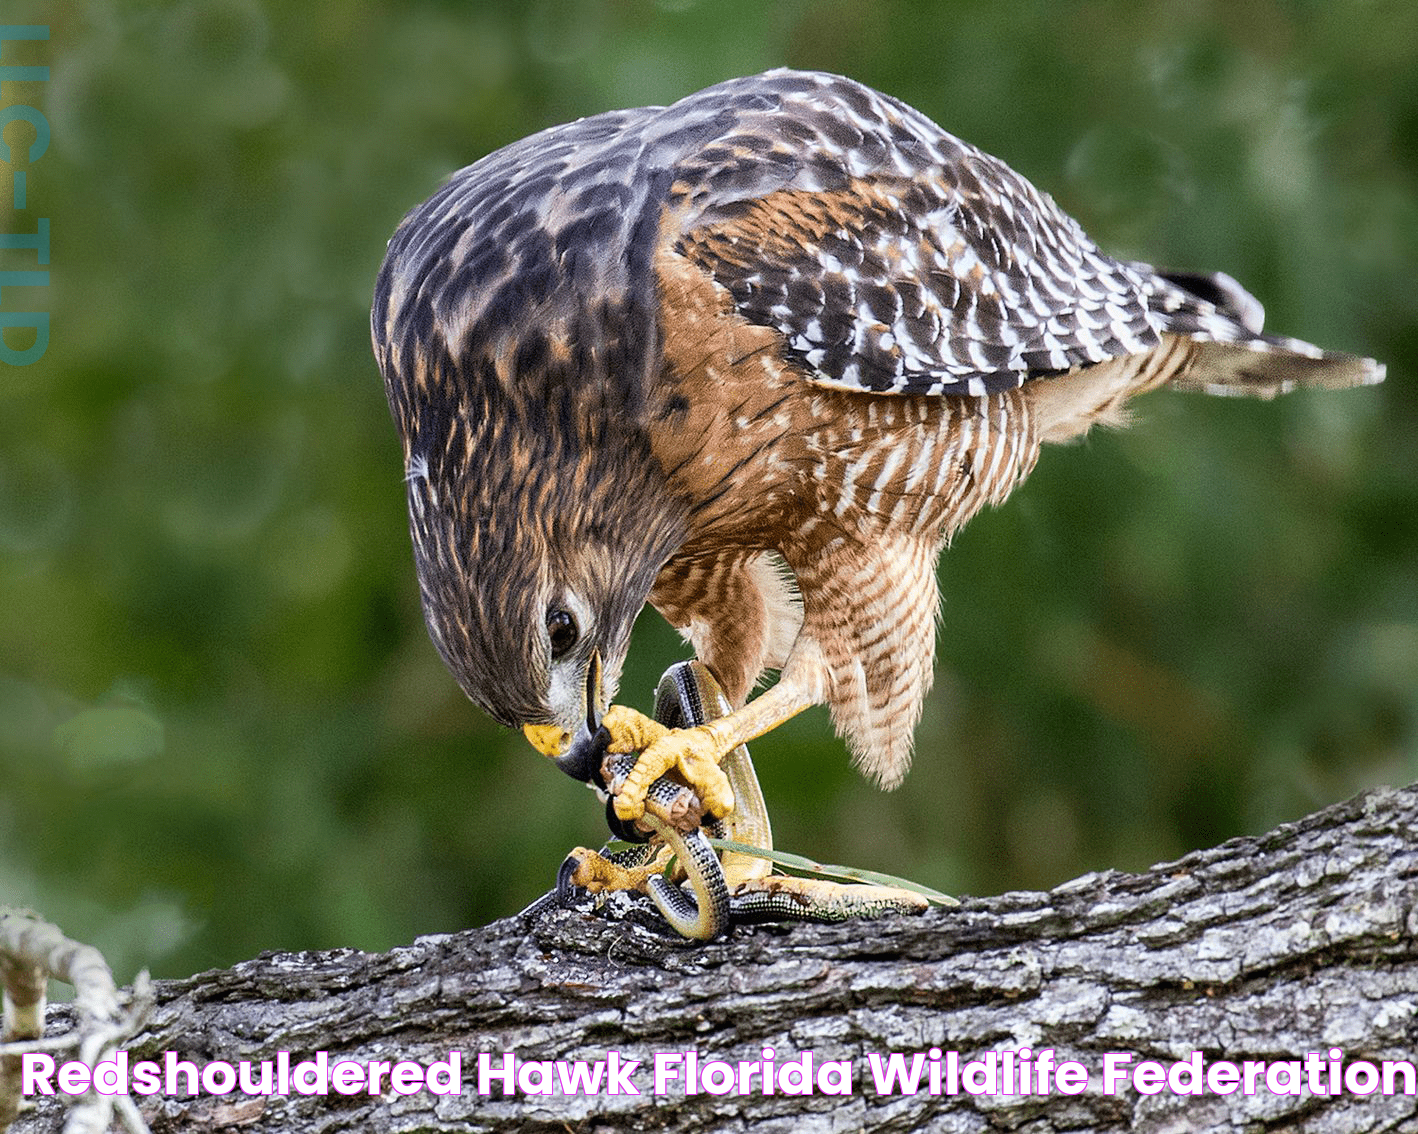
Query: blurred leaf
[[107, 736]]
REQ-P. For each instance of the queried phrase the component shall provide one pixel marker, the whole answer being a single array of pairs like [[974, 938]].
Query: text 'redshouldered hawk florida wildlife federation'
[[752, 357]]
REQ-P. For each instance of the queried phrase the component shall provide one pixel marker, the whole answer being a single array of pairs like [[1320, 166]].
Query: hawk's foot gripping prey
[[695, 753], [738, 886], [692, 754], [752, 358]]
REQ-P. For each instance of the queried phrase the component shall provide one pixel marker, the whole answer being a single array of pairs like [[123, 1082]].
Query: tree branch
[[1262, 949]]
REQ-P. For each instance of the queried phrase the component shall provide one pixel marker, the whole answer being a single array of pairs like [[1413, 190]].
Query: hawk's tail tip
[[1237, 357], [1268, 365]]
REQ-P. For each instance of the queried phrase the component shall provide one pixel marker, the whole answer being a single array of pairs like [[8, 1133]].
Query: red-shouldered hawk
[[752, 357]]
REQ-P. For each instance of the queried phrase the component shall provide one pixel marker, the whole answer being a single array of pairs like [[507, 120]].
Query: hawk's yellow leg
[[735, 886], [684, 690], [595, 872], [697, 752], [689, 693], [701, 917]]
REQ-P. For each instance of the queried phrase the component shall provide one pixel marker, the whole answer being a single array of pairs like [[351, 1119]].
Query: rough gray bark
[[1264, 948]]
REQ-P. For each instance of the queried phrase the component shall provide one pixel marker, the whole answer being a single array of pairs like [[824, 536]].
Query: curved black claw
[[584, 755], [624, 829], [565, 887]]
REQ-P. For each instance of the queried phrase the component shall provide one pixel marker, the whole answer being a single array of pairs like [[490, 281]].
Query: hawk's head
[[535, 553], [515, 323]]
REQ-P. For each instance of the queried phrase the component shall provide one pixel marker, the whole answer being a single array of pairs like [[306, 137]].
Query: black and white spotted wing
[[892, 256]]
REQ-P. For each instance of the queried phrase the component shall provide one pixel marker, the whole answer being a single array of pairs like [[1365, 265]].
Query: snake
[[720, 889]]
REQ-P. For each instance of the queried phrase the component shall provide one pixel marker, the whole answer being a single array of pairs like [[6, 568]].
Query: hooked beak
[[584, 755], [593, 692], [579, 755]]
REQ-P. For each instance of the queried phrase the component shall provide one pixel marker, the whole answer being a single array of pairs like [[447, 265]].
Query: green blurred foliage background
[[222, 728]]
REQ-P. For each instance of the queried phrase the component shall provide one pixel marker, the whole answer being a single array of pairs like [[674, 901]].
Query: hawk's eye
[[561, 629]]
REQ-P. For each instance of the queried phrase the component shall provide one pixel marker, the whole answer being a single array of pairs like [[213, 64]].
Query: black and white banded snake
[[719, 891]]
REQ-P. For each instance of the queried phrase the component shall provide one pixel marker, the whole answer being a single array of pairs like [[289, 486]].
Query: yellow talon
[[696, 753], [631, 730], [596, 873]]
